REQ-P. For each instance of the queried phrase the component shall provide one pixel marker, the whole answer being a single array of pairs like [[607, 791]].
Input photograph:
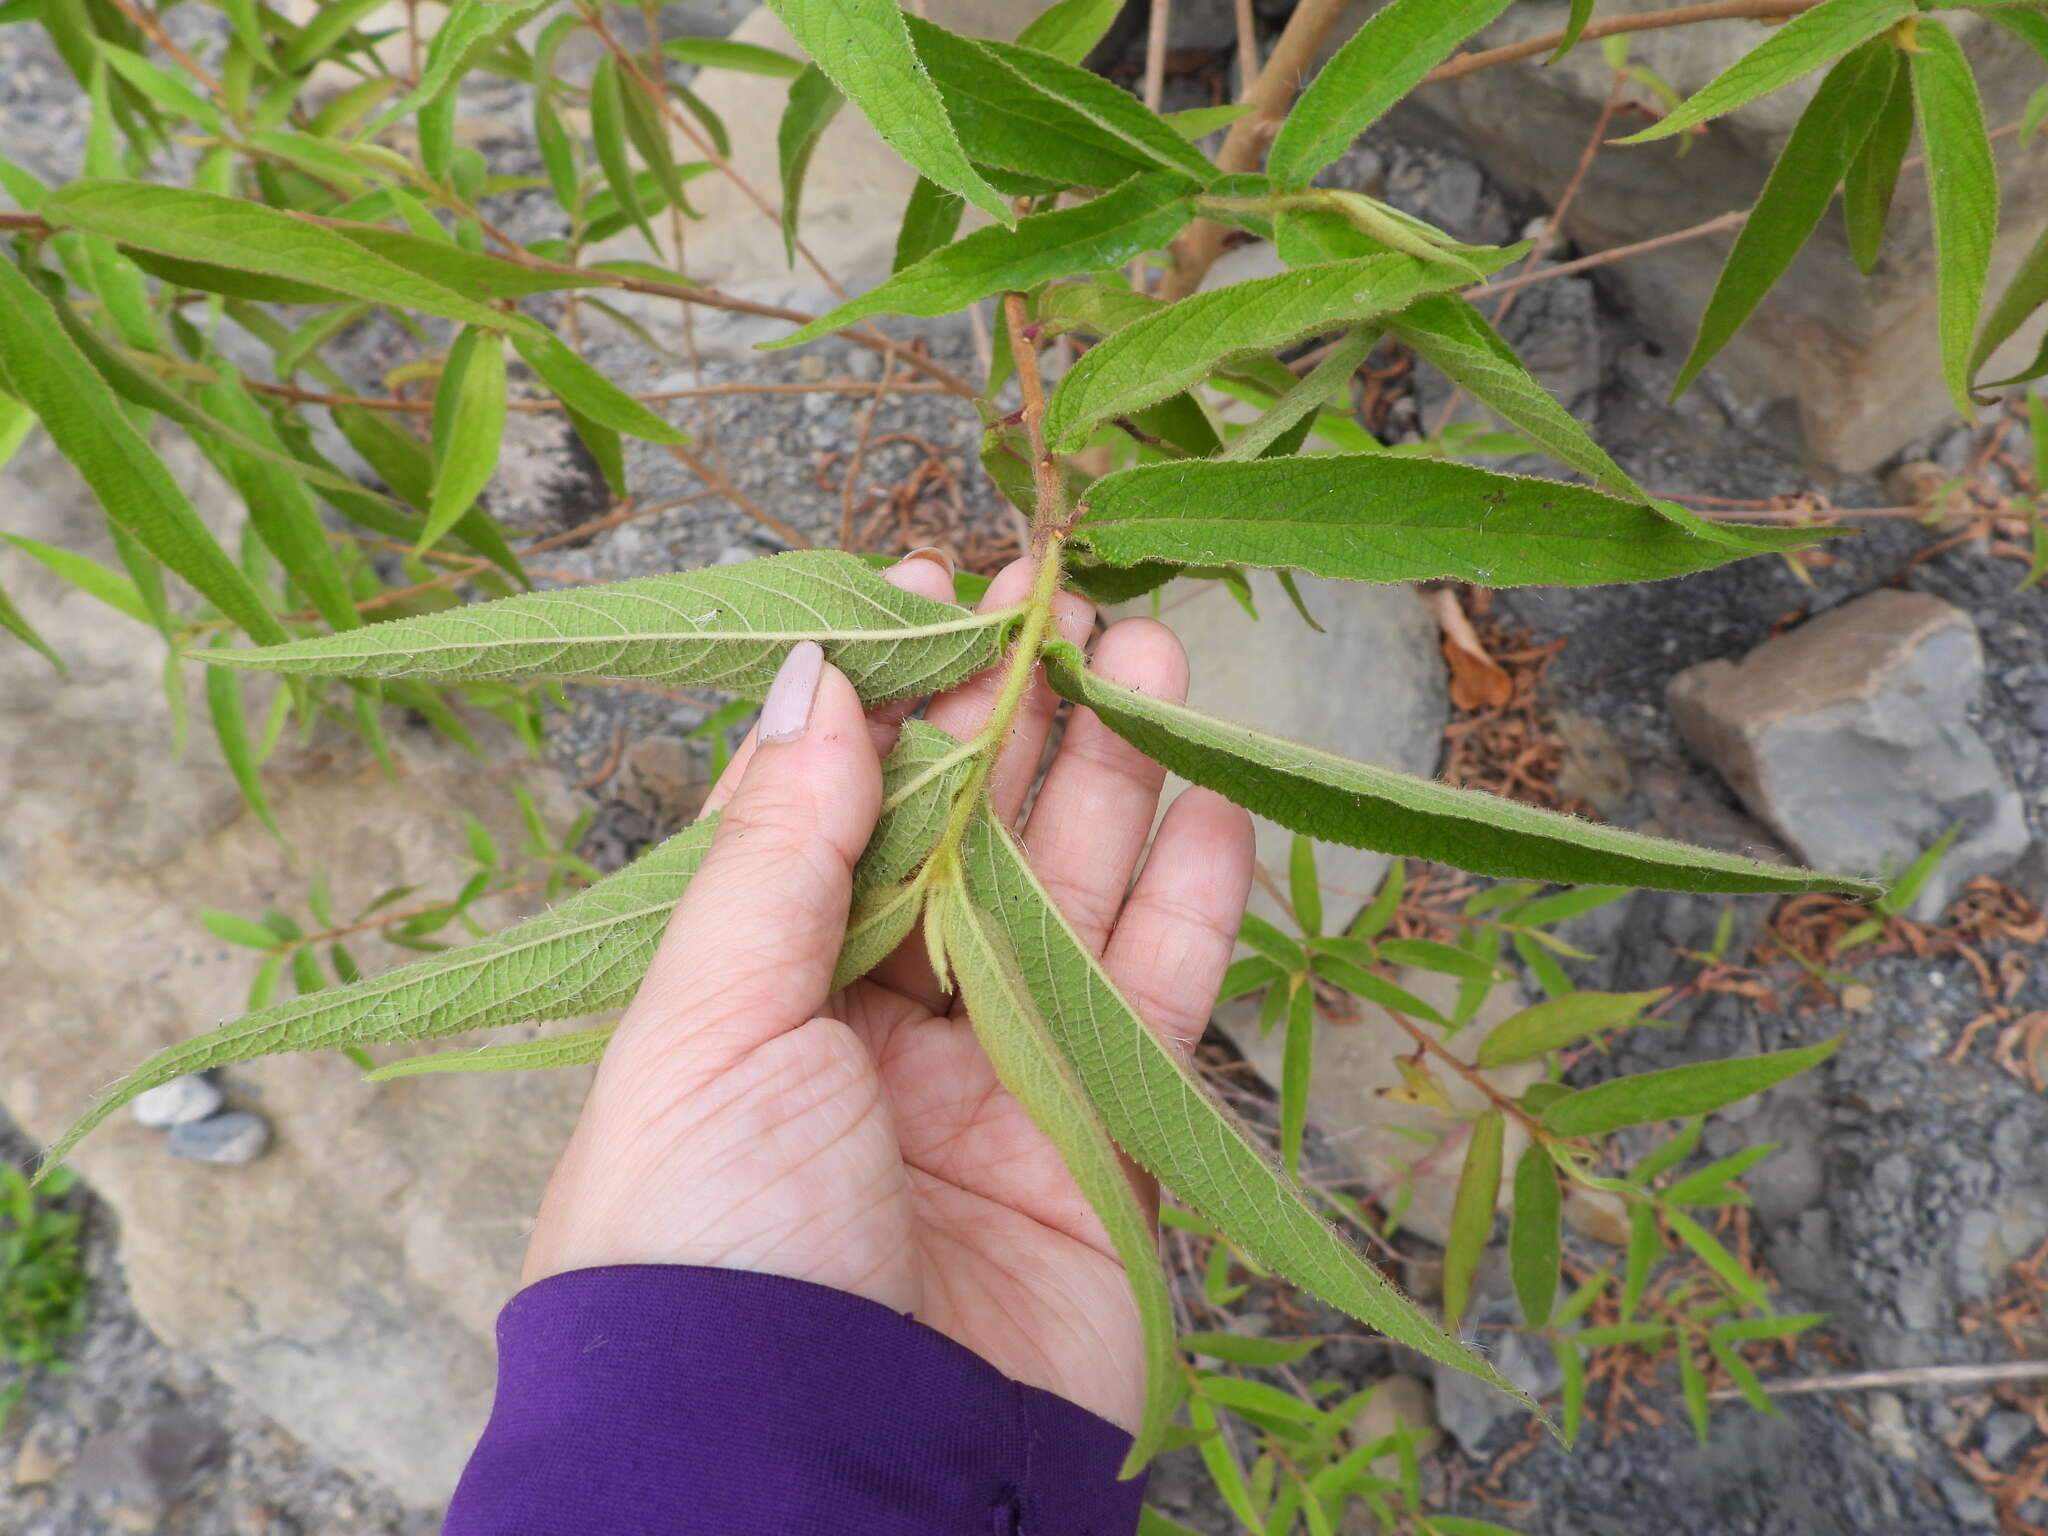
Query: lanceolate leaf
[[1472, 1211], [1176, 346], [608, 116], [586, 391], [1575, 24], [14, 623], [930, 221], [1028, 1061], [1367, 517], [469, 427], [1364, 806], [1874, 173], [579, 1048], [813, 102], [724, 53], [723, 627], [1161, 1115], [866, 50], [1108, 109], [1070, 28], [41, 367], [1534, 1245], [2027, 292], [585, 955], [472, 28], [1962, 189], [248, 237], [1558, 1021], [1799, 47], [1692, 1090], [1104, 232], [1379, 65], [1448, 332], [1834, 126]]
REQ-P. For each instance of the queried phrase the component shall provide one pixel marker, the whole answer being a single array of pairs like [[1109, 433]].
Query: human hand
[[744, 1119]]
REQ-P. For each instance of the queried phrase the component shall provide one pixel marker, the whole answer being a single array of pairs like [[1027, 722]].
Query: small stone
[[147, 1465], [235, 1137], [1399, 1400], [1850, 738], [1888, 1429], [810, 367], [1916, 483], [1856, 996], [1599, 1214], [1594, 769], [2002, 1433], [34, 1465], [178, 1102]]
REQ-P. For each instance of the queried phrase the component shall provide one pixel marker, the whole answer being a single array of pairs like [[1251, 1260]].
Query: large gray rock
[[346, 1283], [1849, 737], [1371, 686], [1856, 356]]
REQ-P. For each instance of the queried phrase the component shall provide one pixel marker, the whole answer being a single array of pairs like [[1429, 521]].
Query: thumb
[[750, 950]]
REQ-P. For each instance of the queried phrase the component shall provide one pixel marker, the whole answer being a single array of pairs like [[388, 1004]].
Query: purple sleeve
[[668, 1400]]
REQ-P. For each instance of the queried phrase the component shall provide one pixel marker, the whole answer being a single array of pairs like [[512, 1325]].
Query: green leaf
[[724, 53], [248, 237], [14, 623], [89, 576], [1446, 959], [1336, 800], [813, 102], [1822, 148], [585, 955], [467, 272], [235, 929], [469, 428], [1472, 1211], [1030, 1064], [1717, 1258], [1575, 25], [724, 627], [1281, 428], [1297, 1067], [586, 391], [1305, 891], [2027, 293], [322, 31], [472, 29], [1548, 1025], [1447, 332], [1178, 345], [1744, 1377], [1247, 1349], [866, 51], [1535, 1248], [1364, 517], [1676, 1091], [1161, 1115], [1712, 1185], [47, 373], [1142, 215], [1800, 46], [1069, 29], [608, 136], [165, 90], [1384, 60], [1693, 1385], [281, 509], [930, 221], [1874, 174], [1377, 989], [1269, 941], [648, 133], [231, 729], [579, 1048]]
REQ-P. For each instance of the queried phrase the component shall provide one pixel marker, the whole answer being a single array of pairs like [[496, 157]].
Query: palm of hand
[[862, 1141]]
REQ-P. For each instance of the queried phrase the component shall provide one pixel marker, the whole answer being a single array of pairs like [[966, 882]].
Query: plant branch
[[154, 30], [1643, 21], [1946, 1377]]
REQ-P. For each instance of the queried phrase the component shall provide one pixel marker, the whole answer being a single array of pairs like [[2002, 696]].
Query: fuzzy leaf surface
[[1381, 63], [588, 392], [1799, 47], [1029, 1063], [1161, 1115], [1535, 1245], [1874, 173], [722, 627], [1370, 517], [813, 102], [248, 237], [1364, 806], [586, 955], [1962, 191], [866, 51], [1689, 1090], [1178, 345], [1142, 215], [1559, 1021], [2027, 292], [579, 1048]]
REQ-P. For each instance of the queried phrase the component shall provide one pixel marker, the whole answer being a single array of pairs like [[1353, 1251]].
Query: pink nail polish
[[787, 709]]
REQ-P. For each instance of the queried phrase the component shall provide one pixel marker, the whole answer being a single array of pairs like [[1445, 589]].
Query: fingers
[[749, 952], [1095, 809], [927, 572], [962, 711], [1173, 941]]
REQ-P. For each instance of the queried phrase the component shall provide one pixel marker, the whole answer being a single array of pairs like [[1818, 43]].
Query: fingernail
[[930, 552], [787, 709]]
